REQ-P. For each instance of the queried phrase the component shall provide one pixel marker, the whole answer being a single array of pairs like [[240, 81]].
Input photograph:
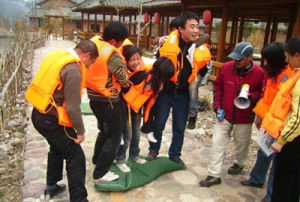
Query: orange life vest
[[171, 49], [274, 120], [47, 80], [138, 95], [126, 42], [271, 89], [97, 73]]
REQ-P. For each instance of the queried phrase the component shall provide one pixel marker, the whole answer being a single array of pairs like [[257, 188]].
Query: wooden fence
[[12, 70]]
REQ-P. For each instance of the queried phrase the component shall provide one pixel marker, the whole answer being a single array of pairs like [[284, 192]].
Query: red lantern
[[207, 17], [146, 18], [156, 18]]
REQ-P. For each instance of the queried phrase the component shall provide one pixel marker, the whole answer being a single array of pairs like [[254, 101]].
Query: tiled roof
[[124, 3]]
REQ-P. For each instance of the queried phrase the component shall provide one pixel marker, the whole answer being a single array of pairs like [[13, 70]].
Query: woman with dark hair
[[277, 72], [283, 123], [147, 82]]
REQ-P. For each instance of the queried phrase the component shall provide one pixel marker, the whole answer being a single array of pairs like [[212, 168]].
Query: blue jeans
[[180, 107], [193, 92], [260, 169], [131, 136]]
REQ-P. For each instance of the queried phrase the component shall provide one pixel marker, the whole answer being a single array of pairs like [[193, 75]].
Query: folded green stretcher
[[139, 175]]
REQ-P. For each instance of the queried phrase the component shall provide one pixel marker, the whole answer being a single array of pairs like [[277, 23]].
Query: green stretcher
[[139, 175]]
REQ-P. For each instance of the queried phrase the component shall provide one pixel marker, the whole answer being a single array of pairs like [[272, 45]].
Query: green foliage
[[2, 193], [248, 28]]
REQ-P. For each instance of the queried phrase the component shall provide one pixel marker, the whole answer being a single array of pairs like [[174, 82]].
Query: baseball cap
[[241, 51]]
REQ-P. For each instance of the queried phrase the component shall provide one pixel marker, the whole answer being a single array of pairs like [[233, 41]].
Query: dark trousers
[[62, 147], [180, 108], [108, 141], [286, 185]]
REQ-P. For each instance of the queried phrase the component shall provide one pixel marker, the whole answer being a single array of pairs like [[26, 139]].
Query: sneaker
[[152, 155], [235, 169], [108, 177], [151, 137], [123, 167], [251, 184], [209, 181], [177, 160], [140, 161], [191, 123], [53, 192]]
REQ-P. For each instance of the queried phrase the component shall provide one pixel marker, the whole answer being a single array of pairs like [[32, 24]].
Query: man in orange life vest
[[104, 78], [188, 59], [55, 93], [283, 123]]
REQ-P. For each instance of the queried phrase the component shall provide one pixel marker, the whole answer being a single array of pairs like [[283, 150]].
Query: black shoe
[[177, 160], [191, 123], [152, 155], [235, 169], [265, 200], [209, 181], [251, 184], [57, 190]]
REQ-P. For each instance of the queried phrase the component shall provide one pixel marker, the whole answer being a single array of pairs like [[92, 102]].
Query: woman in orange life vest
[[277, 72], [147, 82]]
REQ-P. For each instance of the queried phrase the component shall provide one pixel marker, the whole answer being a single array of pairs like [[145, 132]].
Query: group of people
[[124, 92]]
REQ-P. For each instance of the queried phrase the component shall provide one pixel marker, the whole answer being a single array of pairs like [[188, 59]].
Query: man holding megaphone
[[236, 90]]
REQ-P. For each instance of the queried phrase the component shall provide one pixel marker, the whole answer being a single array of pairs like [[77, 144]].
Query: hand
[[276, 146], [79, 139], [258, 122], [127, 85], [161, 41]]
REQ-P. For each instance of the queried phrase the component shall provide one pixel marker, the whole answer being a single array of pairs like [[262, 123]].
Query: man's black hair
[[87, 46], [293, 46], [187, 16], [115, 30], [175, 22]]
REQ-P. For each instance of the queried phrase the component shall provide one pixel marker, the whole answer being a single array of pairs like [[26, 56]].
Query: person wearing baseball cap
[[227, 86]]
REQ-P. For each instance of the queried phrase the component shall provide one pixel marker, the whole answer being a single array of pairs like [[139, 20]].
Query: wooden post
[[150, 25], [222, 38], [290, 30], [119, 17], [88, 23], [134, 27], [241, 30], [267, 32], [123, 18], [95, 26], [82, 22], [162, 25], [167, 25], [103, 22], [232, 31], [183, 6], [111, 16], [63, 28], [274, 30], [209, 31], [296, 31], [130, 24]]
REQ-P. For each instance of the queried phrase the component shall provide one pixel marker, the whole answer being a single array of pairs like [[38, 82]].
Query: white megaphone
[[242, 101]]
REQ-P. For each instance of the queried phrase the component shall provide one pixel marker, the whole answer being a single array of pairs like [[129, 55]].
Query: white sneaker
[[122, 141], [140, 161], [151, 137], [109, 176], [123, 167]]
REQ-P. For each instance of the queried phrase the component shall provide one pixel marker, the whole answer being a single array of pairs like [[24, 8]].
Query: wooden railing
[[14, 65], [215, 71]]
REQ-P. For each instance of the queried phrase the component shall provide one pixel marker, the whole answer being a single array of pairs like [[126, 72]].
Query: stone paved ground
[[179, 186]]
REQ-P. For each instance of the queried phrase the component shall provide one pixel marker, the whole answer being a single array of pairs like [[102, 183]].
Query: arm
[[291, 128], [71, 78], [218, 90], [256, 94], [115, 66]]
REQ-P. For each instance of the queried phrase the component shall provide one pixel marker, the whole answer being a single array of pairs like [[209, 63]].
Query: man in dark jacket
[[232, 76]]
